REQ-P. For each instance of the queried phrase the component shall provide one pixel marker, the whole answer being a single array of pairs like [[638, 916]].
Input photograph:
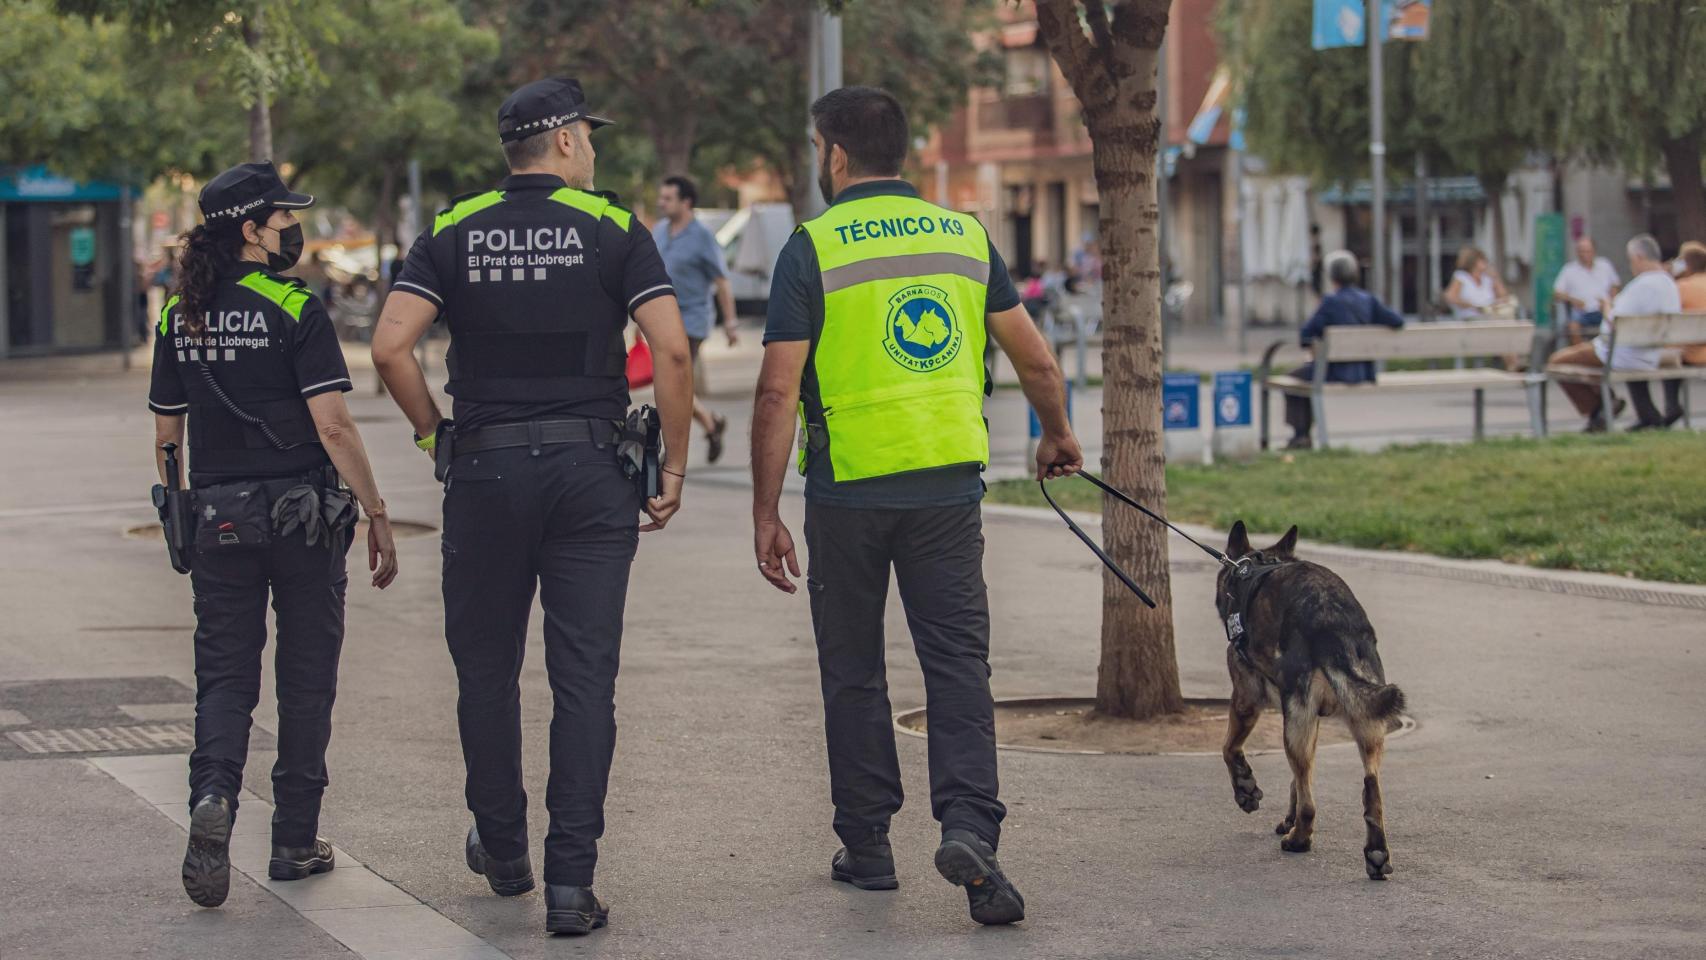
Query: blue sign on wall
[[38, 183], [1232, 398], [1179, 401]]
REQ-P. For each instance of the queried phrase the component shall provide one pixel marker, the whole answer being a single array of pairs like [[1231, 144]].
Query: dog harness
[[1234, 603]]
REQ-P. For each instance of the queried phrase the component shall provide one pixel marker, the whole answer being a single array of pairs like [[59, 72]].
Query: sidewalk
[[1547, 807]]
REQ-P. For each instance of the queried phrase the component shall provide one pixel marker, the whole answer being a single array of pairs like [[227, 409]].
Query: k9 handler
[[879, 312], [536, 280]]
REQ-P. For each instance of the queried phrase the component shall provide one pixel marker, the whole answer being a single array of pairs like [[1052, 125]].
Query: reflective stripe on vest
[[899, 361]]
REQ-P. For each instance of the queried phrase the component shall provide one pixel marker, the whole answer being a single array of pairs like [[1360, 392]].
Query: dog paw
[[1248, 795], [1292, 844], [1284, 826], [1379, 864]]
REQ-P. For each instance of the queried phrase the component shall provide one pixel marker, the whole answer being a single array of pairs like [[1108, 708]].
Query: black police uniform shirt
[[266, 360], [610, 263], [796, 309]]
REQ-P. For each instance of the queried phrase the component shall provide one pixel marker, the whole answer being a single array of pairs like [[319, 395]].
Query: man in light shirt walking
[[695, 265]]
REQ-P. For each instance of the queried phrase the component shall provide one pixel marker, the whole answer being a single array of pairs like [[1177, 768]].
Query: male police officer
[[879, 311], [536, 280]]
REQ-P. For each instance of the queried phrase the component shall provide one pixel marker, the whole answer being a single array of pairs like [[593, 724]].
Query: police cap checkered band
[[543, 105], [246, 188]]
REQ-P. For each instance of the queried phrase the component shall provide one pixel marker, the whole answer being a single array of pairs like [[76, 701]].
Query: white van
[[751, 239]]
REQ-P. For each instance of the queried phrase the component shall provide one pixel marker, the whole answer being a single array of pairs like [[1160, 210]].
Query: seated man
[[1652, 290], [1347, 305], [1582, 285]]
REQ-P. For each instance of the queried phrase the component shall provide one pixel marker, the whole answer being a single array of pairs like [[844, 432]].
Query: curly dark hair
[[208, 253]]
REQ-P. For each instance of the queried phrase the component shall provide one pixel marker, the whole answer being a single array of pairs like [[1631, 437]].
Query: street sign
[[1232, 398], [1179, 401]]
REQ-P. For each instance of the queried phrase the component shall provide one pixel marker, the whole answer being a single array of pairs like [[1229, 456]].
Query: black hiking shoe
[[573, 910], [508, 878], [207, 861], [964, 860], [295, 863], [868, 866]]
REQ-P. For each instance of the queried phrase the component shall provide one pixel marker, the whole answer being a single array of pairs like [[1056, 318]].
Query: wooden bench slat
[[1427, 340], [1475, 377]]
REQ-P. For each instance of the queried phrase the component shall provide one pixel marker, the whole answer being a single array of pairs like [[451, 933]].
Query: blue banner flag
[[1339, 23]]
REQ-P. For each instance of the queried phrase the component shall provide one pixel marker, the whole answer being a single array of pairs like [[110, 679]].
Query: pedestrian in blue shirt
[[695, 266], [1347, 305]]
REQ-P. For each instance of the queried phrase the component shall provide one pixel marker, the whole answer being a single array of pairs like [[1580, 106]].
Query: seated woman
[[1475, 289], [1690, 268]]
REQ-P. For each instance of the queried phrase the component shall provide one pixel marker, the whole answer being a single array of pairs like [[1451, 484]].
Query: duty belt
[[536, 434]]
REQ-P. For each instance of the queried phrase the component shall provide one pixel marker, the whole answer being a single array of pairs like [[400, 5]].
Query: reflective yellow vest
[[898, 364]]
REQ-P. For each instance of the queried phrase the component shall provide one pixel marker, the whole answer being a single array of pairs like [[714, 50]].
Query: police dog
[[1308, 648]]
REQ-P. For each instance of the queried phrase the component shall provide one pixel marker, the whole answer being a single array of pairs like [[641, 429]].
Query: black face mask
[[289, 248]]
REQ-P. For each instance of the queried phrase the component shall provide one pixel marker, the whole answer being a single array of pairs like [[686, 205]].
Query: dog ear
[[1238, 544], [1287, 546]]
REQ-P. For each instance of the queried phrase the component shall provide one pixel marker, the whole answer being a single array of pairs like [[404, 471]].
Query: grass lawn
[[1631, 504]]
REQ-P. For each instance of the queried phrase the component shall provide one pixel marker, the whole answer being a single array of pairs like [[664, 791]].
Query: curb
[[1599, 586]]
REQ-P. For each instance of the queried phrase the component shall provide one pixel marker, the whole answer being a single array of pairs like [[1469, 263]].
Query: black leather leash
[[1234, 565]]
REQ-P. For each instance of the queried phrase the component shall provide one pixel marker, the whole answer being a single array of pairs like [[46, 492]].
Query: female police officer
[[251, 358]]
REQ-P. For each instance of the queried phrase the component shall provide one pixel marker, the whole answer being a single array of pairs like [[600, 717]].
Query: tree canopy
[[1497, 81]]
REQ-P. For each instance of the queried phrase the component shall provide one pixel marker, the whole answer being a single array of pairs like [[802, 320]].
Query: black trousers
[[307, 585], [564, 521], [1299, 413], [937, 556]]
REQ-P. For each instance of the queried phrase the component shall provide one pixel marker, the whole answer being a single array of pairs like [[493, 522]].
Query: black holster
[[176, 510], [444, 449], [639, 448]]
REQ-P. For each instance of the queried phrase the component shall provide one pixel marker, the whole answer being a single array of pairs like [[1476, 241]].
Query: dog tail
[[1365, 698]]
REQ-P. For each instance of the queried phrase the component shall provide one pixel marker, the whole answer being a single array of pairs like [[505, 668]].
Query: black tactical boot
[[508, 878], [964, 860], [207, 862], [573, 910], [294, 863], [868, 865]]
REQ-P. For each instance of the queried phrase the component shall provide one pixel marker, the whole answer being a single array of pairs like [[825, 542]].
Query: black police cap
[[544, 105], [245, 188]]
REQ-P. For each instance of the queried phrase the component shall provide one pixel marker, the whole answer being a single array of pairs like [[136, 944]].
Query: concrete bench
[[1662, 330], [1430, 341]]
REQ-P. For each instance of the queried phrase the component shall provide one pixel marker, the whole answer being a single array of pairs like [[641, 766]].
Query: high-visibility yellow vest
[[898, 364]]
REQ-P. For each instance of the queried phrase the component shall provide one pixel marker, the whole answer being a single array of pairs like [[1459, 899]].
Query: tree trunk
[[1494, 188], [1115, 80], [385, 224], [1682, 162], [260, 116], [672, 141]]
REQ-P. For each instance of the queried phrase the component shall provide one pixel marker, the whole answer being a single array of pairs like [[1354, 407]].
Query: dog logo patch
[[922, 333], [1234, 626]]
